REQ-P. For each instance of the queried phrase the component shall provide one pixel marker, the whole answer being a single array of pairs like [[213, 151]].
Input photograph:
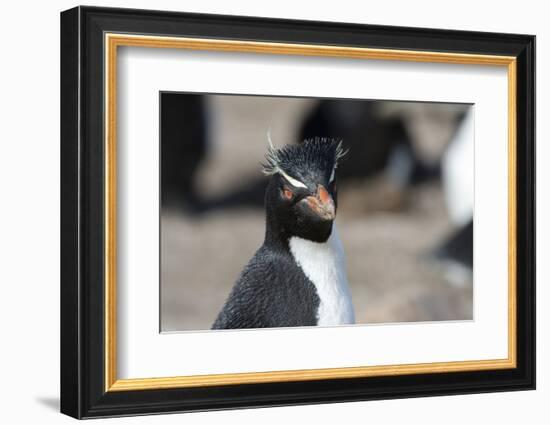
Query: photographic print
[[283, 211]]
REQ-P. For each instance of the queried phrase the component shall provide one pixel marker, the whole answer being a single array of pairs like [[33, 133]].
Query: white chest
[[324, 264]]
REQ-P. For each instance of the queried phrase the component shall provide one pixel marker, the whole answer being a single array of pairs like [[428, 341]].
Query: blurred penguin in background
[[183, 148], [458, 186], [379, 143]]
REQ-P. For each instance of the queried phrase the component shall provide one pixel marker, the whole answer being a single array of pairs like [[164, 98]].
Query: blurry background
[[405, 201]]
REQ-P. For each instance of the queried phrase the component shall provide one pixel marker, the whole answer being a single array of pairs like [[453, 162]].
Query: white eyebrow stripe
[[332, 175], [291, 180]]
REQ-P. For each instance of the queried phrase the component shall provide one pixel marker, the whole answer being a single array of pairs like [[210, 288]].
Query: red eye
[[287, 193]]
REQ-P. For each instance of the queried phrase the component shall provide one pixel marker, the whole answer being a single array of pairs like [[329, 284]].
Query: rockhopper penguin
[[298, 276]]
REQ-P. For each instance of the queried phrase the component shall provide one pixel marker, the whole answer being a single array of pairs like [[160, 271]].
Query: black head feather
[[313, 157]]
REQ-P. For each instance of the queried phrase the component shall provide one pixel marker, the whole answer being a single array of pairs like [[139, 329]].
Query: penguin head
[[302, 194]]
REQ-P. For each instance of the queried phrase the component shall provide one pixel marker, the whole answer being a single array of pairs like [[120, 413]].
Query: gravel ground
[[391, 277], [387, 236]]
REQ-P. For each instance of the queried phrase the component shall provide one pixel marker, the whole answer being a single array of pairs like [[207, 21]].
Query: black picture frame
[[83, 392]]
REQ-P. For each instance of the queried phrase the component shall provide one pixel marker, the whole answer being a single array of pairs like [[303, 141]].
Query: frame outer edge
[[70, 347], [532, 127], [82, 378], [529, 57]]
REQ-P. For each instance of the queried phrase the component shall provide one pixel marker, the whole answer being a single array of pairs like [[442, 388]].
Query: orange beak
[[322, 204]]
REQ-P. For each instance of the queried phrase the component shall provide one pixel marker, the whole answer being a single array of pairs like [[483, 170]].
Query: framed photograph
[[261, 212]]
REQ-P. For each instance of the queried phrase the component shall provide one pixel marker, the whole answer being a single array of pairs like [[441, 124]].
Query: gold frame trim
[[113, 41]]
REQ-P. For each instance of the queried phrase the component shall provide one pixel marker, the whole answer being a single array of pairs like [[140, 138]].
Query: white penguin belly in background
[[325, 266], [458, 172]]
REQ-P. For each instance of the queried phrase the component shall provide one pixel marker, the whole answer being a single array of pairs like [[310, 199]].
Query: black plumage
[[272, 290]]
